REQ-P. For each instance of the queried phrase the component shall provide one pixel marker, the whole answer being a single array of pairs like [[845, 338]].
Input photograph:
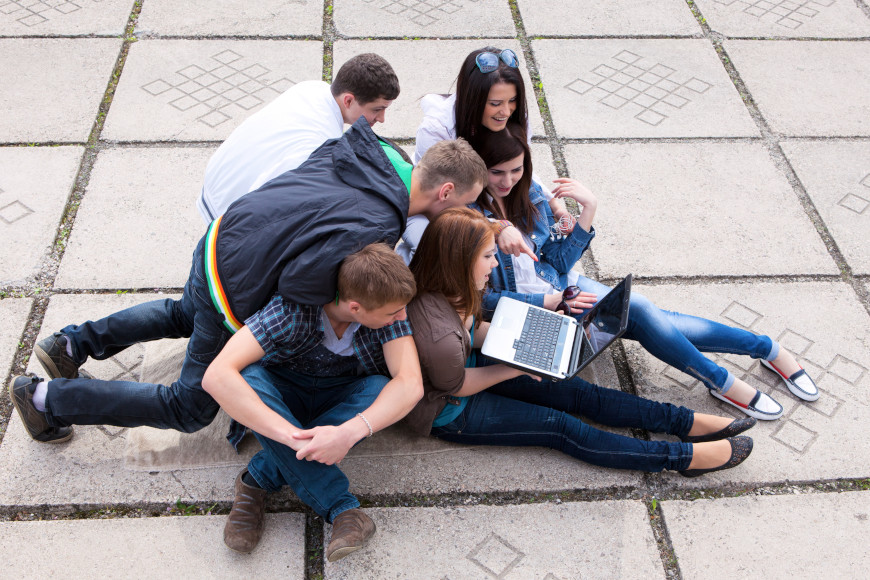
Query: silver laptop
[[549, 344]]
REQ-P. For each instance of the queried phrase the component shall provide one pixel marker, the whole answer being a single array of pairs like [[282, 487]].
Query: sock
[[69, 348], [248, 479], [39, 396]]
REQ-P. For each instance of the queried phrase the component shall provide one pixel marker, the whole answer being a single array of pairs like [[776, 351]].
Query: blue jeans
[[524, 412], [308, 402], [184, 405], [678, 339]]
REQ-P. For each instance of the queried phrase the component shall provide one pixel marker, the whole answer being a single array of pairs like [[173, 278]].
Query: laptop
[[549, 344]]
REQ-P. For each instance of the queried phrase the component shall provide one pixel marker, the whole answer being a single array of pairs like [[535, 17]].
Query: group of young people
[[308, 328]]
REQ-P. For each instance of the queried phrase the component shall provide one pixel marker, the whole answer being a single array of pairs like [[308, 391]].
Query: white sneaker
[[800, 384], [762, 406]]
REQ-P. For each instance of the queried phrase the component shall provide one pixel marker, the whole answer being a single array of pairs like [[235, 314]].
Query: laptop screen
[[601, 329]]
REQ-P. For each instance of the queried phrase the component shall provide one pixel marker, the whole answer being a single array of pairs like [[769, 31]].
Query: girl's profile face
[[504, 176], [501, 102], [484, 264]]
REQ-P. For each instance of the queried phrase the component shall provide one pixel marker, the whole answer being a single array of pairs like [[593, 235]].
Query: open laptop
[[549, 344]]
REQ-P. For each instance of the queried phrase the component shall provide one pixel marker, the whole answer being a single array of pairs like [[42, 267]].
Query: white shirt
[[275, 139]]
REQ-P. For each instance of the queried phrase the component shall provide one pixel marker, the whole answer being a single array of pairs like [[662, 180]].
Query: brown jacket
[[443, 345]]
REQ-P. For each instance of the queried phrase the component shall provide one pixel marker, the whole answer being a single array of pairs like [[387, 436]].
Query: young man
[[287, 237], [320, 384], [281, 135]]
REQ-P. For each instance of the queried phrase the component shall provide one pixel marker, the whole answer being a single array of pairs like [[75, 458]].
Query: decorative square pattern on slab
[[639, 88], [203, 89], [788, 18], [836, 175], [63, 17], [443, 18]]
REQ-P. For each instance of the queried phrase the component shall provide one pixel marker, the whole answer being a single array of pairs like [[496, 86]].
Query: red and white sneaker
[[762, 406], [800, 384]]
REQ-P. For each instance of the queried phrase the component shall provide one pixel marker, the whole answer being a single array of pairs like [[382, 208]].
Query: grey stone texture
[[234, 17], [636, 17], [373, 18], [695, 208], [803, 537], [639, 88], [607, 539], [836, 175], [162, 547], [421, 77], [57, 89], [785, 18], [194, 90], [35, 184], [830, 339], [807, 88], [13, 313], [63, 17], [150, 196]]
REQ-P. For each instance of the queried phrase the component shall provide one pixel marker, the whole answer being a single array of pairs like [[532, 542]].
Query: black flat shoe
[[741, 447], [735, 427]]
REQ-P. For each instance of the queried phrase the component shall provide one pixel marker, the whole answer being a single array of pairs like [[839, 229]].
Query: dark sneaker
[[52, 355], [244, 525], [350, 531], [21, 390]]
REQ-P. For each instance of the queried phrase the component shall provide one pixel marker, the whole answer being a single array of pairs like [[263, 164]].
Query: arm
[[429, 132], [329, 444], [481, 378], [582, 195]]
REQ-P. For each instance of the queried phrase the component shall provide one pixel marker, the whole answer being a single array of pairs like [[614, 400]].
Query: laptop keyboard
[[537, 343]]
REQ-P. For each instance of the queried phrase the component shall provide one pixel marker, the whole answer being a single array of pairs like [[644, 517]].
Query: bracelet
[[369, 425], [502, 225]]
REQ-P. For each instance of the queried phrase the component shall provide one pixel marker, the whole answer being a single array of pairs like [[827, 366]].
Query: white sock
[[68, 348], [39, 396]]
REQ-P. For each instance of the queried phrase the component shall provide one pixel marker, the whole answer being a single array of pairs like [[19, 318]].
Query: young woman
[[674, 338], [470, 401]]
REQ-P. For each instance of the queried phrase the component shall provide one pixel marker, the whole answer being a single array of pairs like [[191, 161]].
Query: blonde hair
[[453, 161], [375, 276]]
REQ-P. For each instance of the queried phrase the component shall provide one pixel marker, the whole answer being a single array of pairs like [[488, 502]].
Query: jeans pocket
[[452, 428], [205, 344]]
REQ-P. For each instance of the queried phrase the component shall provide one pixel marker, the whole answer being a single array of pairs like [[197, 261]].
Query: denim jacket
[[556, 256]]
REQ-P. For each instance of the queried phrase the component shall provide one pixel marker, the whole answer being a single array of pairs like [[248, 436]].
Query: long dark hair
[[472, 90], [445, 258], [496, 147]]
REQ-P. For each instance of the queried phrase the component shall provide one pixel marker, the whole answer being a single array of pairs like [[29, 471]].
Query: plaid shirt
[[286, 331]]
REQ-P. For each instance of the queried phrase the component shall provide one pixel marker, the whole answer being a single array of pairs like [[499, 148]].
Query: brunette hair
[[445, 258], [496, 147], [375, 276], [367, 77], [472, 90], [454, 161]]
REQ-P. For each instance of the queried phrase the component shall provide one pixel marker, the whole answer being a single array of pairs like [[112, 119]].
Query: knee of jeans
[[640, 303], [200, 413]]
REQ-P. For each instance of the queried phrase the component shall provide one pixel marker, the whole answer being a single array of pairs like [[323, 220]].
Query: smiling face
[[501, 102], [504, 176], [484, 264]]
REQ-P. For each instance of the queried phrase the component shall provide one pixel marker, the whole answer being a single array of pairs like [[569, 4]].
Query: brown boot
[[350, 531], [244, 525]]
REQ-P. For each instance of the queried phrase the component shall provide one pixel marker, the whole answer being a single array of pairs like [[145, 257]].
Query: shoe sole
[[793, 389], [47, 364], [757, 414], [21, 414], [342, 552]]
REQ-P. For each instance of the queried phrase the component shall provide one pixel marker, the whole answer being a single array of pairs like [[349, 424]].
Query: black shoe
[[736, 427], [21, 390], [741, 447], [52, 355]]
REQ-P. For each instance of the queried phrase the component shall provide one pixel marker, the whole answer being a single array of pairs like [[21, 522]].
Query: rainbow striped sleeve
[[215, 288]]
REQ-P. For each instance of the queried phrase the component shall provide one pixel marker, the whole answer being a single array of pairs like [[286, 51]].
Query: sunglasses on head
[[570, 293], [488, 61]]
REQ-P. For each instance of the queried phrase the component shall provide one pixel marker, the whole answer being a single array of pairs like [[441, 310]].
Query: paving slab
[[373, 18], [35, 183], [437, 76], [56, 87], [63, 17], [606, 539], [793, 536], [13, 313], [807, 88], [165, 547], [191, 90], [619, 18], [204, 18], [154, 228], [695, 209], [836, 175], [830, 339], [639, 88], [785, 18]]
